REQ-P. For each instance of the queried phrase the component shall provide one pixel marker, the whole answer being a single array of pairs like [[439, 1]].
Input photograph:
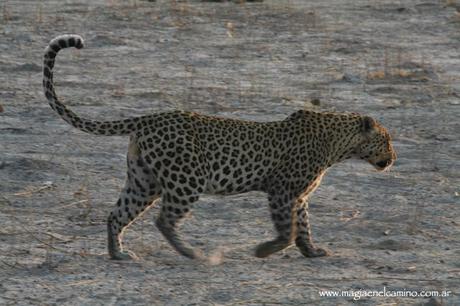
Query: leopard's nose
[[384, 163]]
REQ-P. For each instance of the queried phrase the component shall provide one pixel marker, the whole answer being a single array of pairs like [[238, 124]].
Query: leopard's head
[[376, 147]]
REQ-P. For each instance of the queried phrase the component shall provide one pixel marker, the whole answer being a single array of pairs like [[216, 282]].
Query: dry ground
[[395, 60]]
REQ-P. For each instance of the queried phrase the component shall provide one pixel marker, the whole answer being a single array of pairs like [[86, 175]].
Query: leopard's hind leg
[[173, 211], [182, 173], [141, 192]]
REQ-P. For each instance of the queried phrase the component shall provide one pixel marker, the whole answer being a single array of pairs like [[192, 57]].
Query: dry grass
[[6, 14], [397, 73], [452, 3], [39, 14]]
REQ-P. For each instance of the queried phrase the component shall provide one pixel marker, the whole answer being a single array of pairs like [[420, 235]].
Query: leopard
[[174, 157]]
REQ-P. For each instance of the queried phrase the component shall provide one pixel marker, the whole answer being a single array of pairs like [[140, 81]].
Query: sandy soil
[[395, 60]]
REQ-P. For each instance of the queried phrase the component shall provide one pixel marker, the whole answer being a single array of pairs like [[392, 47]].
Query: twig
[[57, 236], [255, 301], [29, 192], [5, 200], [79, 283], [40, 240], [10, 265], [354, 214], [74, 203]]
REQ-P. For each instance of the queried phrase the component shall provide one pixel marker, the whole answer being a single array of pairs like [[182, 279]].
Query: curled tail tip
[[68, 40], [62, 42]]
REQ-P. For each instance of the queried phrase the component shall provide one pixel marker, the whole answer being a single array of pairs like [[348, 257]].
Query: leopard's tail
[[119, 127]]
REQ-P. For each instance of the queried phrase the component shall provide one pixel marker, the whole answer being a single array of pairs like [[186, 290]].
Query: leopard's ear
[[368, 124]]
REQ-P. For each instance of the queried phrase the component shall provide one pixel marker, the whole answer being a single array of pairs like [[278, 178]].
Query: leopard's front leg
[[304, 240], [281, 208]]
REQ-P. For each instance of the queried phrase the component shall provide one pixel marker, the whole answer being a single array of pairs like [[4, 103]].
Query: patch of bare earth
[[395, 60]]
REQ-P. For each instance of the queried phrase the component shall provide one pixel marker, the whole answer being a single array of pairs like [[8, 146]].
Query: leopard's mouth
[[383, 164]]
